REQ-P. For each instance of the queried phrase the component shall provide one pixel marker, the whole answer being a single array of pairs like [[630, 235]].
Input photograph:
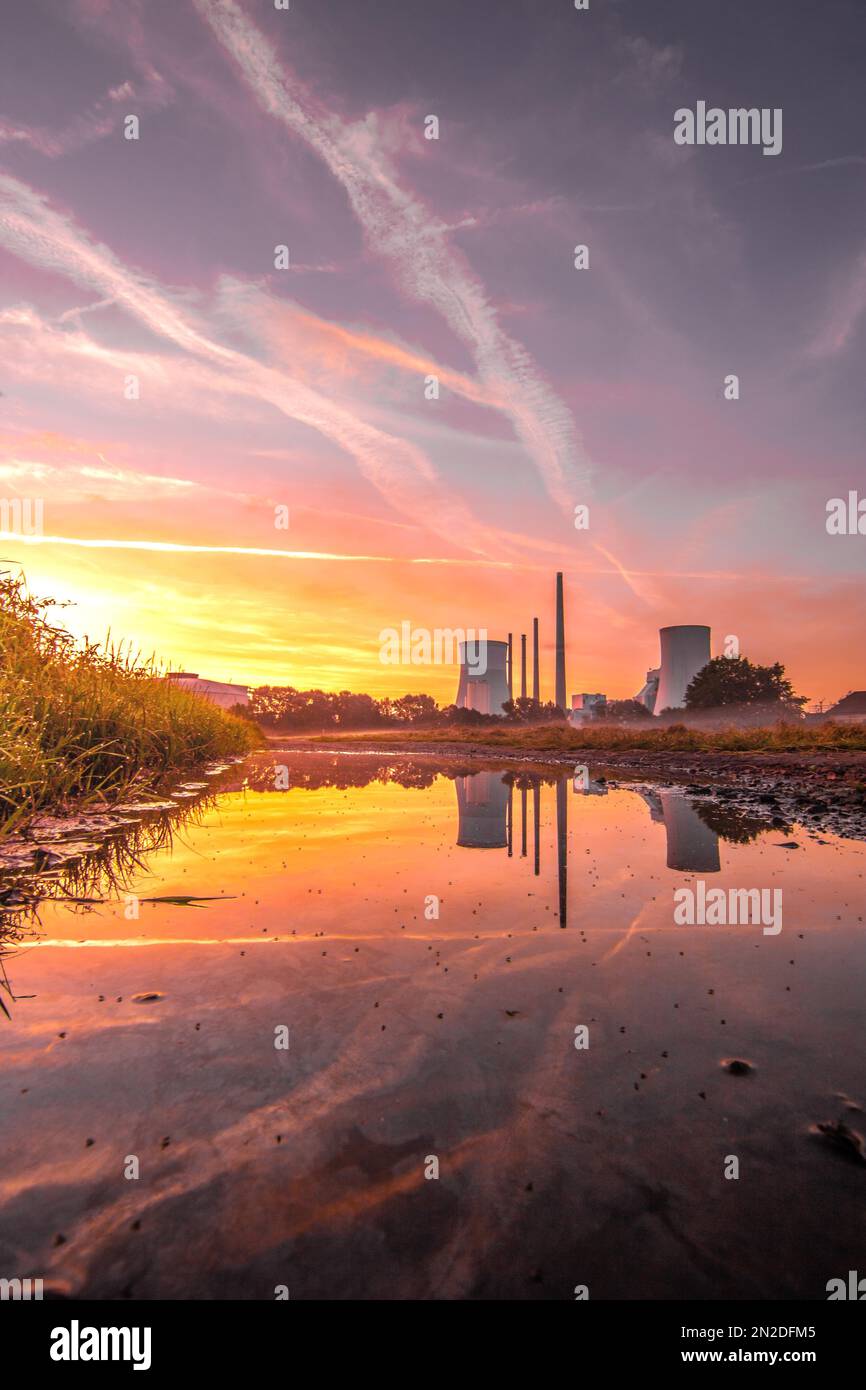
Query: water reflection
[[485, 807], [483, 811], [417, 1031], [692, 844], [66, 868]]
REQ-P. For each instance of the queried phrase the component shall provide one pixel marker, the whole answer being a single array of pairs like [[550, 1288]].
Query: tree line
[[723, 682]]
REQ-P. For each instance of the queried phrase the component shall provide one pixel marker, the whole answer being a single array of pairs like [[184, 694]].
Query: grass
[[80, 723], [544, 738]]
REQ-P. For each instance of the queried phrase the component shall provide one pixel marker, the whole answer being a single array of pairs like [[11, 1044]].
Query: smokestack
[[560, 645], [523, 665], [535, 686], [510, 667]]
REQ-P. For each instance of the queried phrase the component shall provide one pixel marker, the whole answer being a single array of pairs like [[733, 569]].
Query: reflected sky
[[414, 1035]]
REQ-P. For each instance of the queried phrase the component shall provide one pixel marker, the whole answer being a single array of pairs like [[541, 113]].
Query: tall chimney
[[560, 645], [535, 686], [523, 665], [510, 667]]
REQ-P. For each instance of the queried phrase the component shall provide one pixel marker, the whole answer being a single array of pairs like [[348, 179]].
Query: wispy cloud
[[320, 347], [184, 548], [102, 119], [846, 311], [75, 482], [415, 242], [32, 229]]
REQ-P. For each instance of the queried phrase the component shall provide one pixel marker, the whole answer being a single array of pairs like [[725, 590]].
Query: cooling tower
[[685, 650], [483, 676], [560, 645]]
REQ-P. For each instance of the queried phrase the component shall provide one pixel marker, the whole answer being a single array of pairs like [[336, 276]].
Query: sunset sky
[[305, 387]]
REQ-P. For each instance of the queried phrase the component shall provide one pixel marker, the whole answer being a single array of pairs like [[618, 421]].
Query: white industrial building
[[218, 692], [583, 707], [685, 650], [484, 676]]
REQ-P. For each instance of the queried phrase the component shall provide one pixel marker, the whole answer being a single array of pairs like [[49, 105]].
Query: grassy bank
[[545, 738], [78, 723]]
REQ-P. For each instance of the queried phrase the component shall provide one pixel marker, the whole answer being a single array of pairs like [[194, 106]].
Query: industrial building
[[485, 679], [583, 708], [685, 650], [218, 692], [487, 690], [647, 696], [852, 707]]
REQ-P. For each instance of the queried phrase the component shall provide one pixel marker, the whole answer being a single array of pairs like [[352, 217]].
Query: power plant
[[487, 692], [685, 650]]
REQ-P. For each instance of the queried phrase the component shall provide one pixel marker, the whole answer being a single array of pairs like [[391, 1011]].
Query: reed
[[81, 722]]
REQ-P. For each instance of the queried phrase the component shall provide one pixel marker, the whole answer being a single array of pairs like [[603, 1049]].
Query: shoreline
[[809, 765], [823, 791]]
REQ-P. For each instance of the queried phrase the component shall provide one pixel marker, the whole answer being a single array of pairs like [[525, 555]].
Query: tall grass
[[78, 722]]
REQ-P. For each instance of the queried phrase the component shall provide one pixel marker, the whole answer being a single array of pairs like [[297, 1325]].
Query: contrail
[[402, 230]]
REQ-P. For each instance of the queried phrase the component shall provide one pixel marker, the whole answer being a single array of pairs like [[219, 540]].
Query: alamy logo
[[21, 516], [21, 1289], [76, 1343], [441, 647], [855, 1288], [846, 518], [738, 907], [737, 126]]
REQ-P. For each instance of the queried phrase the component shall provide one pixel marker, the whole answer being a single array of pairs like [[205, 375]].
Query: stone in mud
[[736, 1066], [845, 1141]]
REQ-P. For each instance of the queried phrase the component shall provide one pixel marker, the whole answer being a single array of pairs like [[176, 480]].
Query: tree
[[735, 681], [414, 709], [525, 710], [621, 711]]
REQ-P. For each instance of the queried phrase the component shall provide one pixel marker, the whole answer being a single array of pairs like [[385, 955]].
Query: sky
[[171, 390]]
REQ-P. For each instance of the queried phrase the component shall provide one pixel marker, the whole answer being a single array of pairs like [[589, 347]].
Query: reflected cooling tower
[[693, 847], [482, 809], [685, 651], [483, 676]]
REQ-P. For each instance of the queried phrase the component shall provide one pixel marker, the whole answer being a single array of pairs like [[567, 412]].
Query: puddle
[[242, 1041]]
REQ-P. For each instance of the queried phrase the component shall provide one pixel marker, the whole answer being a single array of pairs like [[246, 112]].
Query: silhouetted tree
[[621, 711], [525, 710], [735, 681]]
